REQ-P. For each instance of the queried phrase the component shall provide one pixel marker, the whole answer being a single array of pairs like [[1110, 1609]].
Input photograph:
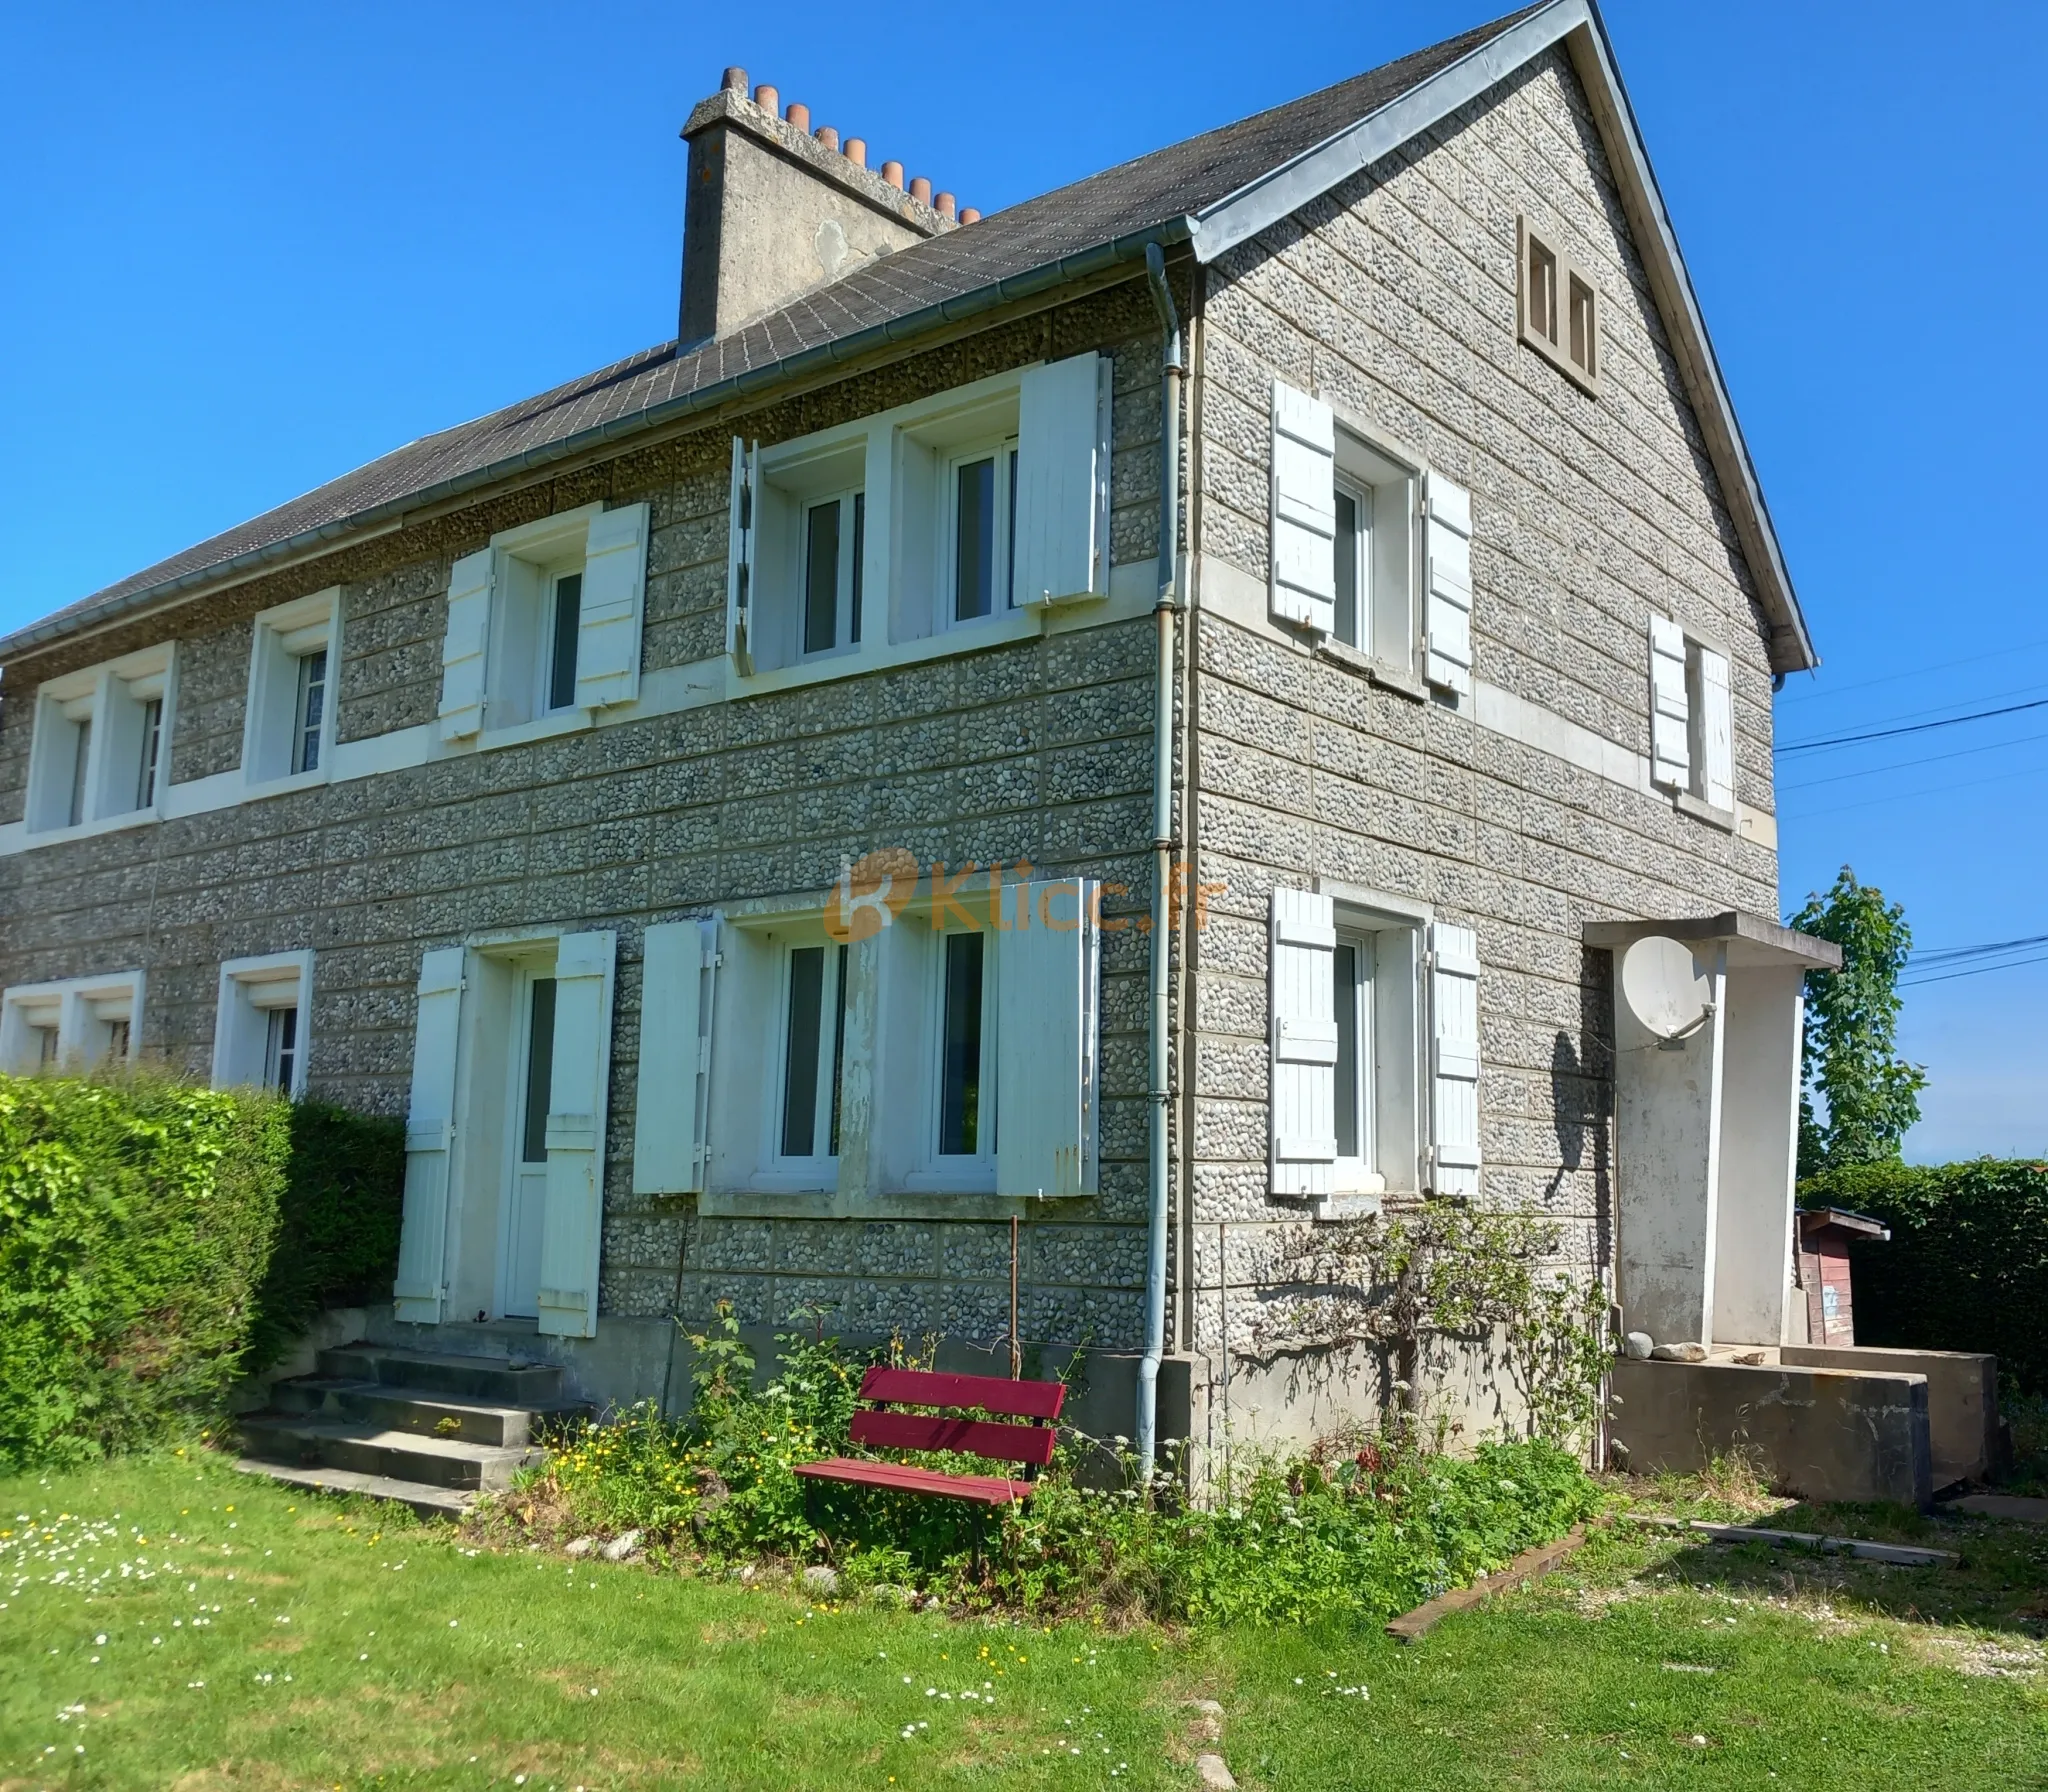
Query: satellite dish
[[1664, 986]]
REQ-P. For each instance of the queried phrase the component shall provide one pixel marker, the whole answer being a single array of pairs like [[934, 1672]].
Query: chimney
[[773, 212]]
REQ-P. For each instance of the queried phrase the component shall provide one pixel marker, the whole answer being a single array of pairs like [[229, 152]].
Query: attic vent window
[[1559, 308]]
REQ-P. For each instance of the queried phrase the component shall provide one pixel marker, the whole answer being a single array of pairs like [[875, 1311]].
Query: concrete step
[[425, 1415], [427, 1501], [367, 1448], [482, 1378]]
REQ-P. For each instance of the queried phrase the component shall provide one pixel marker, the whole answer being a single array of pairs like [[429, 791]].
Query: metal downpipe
[[1162, 861]]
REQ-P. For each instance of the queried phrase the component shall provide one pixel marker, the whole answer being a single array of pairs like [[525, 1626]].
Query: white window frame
[[1554, 344], [1387, 1074], [105, 710], [250, 991], [529, 564], [1003, 569], [848, 573], [86, 1012], [818, 1168], [1387, 481], [938, 1170], [283, 638]]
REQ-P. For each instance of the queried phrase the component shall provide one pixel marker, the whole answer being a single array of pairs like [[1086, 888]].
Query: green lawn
[[257, 1638]]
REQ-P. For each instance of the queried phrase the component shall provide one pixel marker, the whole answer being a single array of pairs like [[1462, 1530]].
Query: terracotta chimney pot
[[769, 100], [735, 81], [970, 216], [857, 151], [921, 190], [892, 172], [944, 202], [828, 136], [799, 115]]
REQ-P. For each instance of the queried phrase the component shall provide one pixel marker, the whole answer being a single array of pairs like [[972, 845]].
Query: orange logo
[[871, 892]]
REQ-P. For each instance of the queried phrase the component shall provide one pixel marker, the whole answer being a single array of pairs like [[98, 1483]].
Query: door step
[[428, 1502]]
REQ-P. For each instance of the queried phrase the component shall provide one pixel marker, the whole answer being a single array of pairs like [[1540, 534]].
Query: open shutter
[[573, 1216], [1447, 572], [1670, 714], [1304, 510], [1047, 973], [739, 562], [429, 1139], [464, 645], [1454, 1059], [678, 961], [1304, 1043], [608, 622], [1717, 731], [1062, 454]]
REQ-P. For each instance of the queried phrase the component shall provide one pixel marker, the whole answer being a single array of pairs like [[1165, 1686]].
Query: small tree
[[1852, 1023]]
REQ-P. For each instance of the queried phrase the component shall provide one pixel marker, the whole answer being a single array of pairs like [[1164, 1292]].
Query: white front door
[[526, 1182]]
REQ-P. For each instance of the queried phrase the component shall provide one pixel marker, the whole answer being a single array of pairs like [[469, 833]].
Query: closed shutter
[[1304, 510], [464, 646], [429, 1138], [1047, 975], [1304, 1043], [1447, 589], [1062, 470], [1670, 714], [608, 621], [573, 1218], [677, 969], [1454, 1059], [1717, 731], [739, 564]]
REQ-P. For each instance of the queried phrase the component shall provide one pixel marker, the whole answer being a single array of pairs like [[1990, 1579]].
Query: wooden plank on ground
[[1530, 1565]]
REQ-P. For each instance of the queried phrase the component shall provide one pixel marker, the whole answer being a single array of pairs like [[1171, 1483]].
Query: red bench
[[879, 1426]]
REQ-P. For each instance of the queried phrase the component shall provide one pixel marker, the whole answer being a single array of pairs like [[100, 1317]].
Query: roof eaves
[[1577, 24], [381, 518]]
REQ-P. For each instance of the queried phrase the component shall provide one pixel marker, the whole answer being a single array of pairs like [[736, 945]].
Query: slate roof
[[1151, 196]]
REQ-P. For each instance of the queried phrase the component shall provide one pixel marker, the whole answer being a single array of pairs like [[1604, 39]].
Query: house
[[770, 814]]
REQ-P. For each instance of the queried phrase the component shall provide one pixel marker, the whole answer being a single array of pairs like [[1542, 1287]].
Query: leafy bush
[[137, 1216], [1966, 1267], [1363, 1531]]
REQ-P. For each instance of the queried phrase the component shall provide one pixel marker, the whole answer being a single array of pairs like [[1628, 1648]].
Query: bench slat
[[992, 1393], [1031, 1444], [976, 1490]]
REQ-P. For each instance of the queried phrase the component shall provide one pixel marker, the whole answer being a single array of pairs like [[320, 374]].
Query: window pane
[[821, 578], [152, 746], [117, 1041], [81, 759], [960, 1049], [1582, 324], [281, 1050], [800, 1058], [839, 1022], [1542, 291], [860, 553], [974, 540], [311, 712], [540, 1072], [562, 660], [1347, 567], [1344, 969], [46, 1046]]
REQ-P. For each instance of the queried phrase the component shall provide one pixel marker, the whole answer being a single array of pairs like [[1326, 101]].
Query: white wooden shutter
[[608, 621], [1046, 1043], [739, 563], [464, 646], [1717, 731], [1304, 1043], [1670, 714], [429, 1138], [678, 966], [1447, 586], [1454, 1059], [573, 1216], [1062, 456], [1304, 510]]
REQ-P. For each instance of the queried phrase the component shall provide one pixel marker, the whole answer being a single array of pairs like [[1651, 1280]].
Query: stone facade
[[1393, 297]]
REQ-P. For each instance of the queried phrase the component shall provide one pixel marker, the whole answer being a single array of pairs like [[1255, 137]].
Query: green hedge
[[158, 1240], [1966, 1267]]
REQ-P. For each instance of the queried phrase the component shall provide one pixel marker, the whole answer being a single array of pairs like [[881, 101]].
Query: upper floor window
[[944, 513], [1692, 717], [545, 621], [99, 742], [1559, 307], [292, 665], [1374, 550], [80, 1023]]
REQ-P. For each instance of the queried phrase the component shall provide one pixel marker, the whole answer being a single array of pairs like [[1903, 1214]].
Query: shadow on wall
[[1582, 1095]]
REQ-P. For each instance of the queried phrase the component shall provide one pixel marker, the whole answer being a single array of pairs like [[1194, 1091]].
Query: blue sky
[[250, 247]]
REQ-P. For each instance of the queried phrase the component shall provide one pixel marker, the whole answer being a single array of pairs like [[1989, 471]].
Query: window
[[835, 545], [813, 1049], [289, 730], [1692, 718], [259, 1029], [544, 622], [983, 492], [1374, 553], [99, 742], [1559, 308], [966, 1123], [79, 1023]]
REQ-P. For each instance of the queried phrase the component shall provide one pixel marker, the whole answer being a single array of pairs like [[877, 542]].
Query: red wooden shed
[[1822, 1256]]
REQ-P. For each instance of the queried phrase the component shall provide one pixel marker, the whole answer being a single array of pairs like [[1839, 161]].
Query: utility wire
[[1901, 765], [1954, 954], [1894, 797], [1975, 970], [1850, 740], [1815, 688]]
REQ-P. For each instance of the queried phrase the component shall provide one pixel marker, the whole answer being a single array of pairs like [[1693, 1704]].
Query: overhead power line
[[1850, 740], [1816, 688], [1900, 765], [1975, 970], [1955, 954]]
